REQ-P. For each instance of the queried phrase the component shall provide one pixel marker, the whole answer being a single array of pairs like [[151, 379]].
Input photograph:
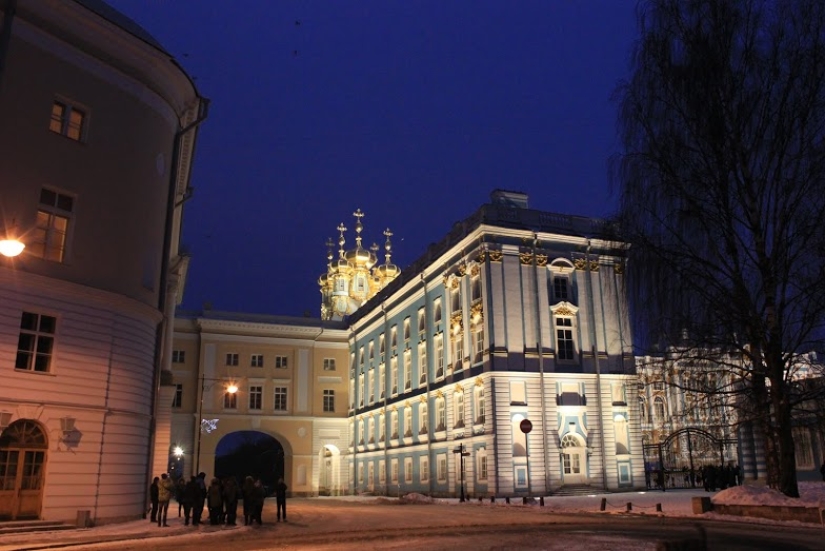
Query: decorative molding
[[579, 263], [459, 389], [482, 257], [462, 269], [618, 268], [474, 270], [541, 259], [496, 256], [476, 313], [526, 258], [479, 382]]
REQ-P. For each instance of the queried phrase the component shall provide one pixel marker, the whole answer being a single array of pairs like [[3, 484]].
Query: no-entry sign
[[526, 426]]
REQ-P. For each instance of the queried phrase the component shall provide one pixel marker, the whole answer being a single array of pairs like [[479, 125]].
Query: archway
[[250, 453], [329, 471], [574, 458], [23, 448]]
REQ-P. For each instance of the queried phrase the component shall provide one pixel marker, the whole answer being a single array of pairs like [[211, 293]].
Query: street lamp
[[231, 388], [11, 247], [462, 454]]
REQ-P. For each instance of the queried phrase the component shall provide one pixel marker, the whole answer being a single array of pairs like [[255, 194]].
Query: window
[[437, 310], [478, 341], [230, 400], [256, 360], [394, 470], [458, 351], [329, 400], [381, 346], [643, 410], [382, 471], [442, 467], [372, 350], [518, 392], [422, 363], [361, 473], [177, 401], [362, 389], [407, 370], [519, 438], [382, 381], [382, 428], [371, 474], [407, 422], [394, 337], [622, 439], [458, 404], [440, 414], [52, 226], [618, 393], [256, 394], [422, 418], [408, 470], [439, 356], [329, 364], [564, 338], [371, 383], [455, 301], [570, 394], [475, 288], [407, 330], [422, 323], [394, 375], [481, 468], [35, 344], [424, 469], [231, 359], [67, 120], [178, 356], [659, 409], [560, 288], [281, 362], [280, 398], [351, 393], [361, 433], [361, 356], [370, 430], [480, 405], [394, 424]]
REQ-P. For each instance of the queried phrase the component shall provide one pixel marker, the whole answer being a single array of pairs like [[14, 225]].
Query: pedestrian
[[200, 499], [191, 491], [180, 485], [259, 494], [280, 498], [153, 498], [214, 500], [248, 493], [165, 490], [230, 500]]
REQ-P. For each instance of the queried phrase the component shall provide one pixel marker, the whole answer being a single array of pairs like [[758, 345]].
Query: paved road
[[327, 524]]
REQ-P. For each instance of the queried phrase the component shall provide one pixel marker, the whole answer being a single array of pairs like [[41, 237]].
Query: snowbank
[[811, 494]]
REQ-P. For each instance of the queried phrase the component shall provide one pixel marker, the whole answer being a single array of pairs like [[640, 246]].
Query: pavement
[[672, 503]]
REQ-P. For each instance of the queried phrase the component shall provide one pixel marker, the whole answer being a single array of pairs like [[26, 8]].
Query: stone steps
[[26, 526]]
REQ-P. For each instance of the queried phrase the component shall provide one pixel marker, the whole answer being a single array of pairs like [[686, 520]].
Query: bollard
[[658, 507], [629, 506], [604, 504], [479, 499], [492, 499], [541, 501], [507, 500], [524, 501]]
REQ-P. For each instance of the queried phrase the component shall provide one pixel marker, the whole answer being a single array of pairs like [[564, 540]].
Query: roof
[[107, 12]]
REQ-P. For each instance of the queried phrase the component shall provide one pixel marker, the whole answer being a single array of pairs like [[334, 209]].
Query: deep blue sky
[[412, 111]]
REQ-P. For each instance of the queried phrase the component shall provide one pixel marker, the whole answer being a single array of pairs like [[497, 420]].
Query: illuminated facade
[[515, 315], [96, 142]]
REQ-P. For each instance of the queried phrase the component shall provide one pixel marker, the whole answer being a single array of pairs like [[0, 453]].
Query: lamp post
[[462, 454], [231, 388], [11, 247]]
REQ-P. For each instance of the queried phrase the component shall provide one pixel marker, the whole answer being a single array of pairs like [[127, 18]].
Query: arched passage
[[23, 447], [329, 471], [250, 453]]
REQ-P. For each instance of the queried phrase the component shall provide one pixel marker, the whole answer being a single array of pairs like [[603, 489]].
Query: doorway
[[573, 459], [23, 448]]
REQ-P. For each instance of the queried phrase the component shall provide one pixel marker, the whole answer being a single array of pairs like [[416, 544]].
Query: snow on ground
[[811, 494]]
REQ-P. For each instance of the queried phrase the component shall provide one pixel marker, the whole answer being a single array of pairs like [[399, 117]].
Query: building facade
[[499, 363], [96, 144], [246, 377]]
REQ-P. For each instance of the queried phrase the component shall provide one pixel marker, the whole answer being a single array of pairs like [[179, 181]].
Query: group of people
[[220, 498]]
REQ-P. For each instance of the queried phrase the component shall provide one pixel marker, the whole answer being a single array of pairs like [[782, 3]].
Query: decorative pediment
[[564, 308], [456, 323], [477, 313]]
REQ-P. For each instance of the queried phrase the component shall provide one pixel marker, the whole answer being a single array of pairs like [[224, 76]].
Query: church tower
[[353, 278]]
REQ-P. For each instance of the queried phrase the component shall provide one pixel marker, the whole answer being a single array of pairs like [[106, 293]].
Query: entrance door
[[22, 456], [573, 460]]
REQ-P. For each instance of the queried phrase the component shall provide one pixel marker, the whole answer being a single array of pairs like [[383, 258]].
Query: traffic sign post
[[526, 426]]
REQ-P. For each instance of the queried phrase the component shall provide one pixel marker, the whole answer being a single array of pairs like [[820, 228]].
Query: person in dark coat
[[200, 499], [189, 496], [259, 493], [153, 498], [230, 500], [180, 485], [214, 500], [280, 497], [248, 492]]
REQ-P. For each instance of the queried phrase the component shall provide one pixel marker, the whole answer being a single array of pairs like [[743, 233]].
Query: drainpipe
[[166, 327], [5, 35], [595, 348]]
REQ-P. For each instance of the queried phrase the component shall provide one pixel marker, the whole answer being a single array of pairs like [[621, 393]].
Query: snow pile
[[417, 498], [811, 494]]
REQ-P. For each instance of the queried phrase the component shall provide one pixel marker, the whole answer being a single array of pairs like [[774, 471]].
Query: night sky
[[412, 111]]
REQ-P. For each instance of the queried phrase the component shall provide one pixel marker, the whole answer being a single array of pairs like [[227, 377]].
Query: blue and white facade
[[515, 315]]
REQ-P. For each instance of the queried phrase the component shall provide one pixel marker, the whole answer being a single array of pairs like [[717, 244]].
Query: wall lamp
[[5, 419], [67, 425]]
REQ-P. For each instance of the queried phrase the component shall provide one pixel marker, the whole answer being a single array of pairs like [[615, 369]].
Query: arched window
[[643, 410], [659, 409]]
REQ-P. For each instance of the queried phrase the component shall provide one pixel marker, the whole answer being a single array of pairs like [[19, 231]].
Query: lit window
[[381, 346], [256, 360], [52, 226], [329, 400], [455, 301], [231, 359], [440, 415], [407, 422], [407, 370], [439, 356], [36, 342], [178, 356], [422, 418], [371, 474], [382, 381], [382, 428], [481, 458], [442, 467], [480, 405], [459, 410], [618, 393], [281, 362], [394, 424], [372, 350], [622, 438], [408, 474], [280, 398], [422, 323], [394, 470], [659, 409], [406, 329], [394, 337], [478, 341], [67, 120], [424, 469], [256, 394], [329, 364], [230, 400], [382, 471], [178, 399], [437, 312], [458, 351], [362, 389], [394, 375], [371, 384], [518, 392], [422, 363]]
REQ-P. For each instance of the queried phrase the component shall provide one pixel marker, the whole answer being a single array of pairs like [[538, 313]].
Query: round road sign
[[526, 426]]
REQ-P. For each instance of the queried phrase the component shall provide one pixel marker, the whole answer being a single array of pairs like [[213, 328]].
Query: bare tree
[[722, 186]]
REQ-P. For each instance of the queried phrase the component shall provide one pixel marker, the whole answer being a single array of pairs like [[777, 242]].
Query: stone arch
[[252, 453], [329, 471]]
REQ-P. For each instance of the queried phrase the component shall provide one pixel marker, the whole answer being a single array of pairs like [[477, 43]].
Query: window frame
[[35, 354], [328, 400]]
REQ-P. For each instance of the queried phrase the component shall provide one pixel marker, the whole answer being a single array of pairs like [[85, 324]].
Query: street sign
[[526, 426]]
